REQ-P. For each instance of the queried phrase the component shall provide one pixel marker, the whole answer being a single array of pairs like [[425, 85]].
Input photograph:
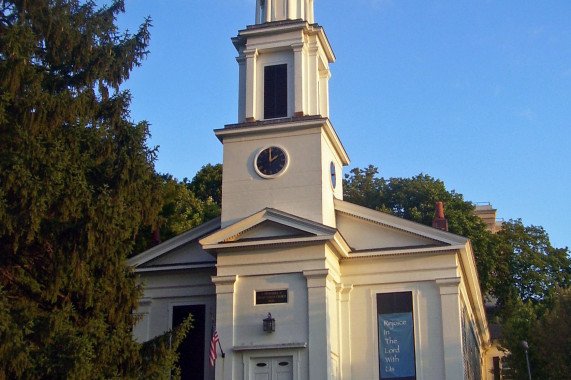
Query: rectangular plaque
[[271, 296]]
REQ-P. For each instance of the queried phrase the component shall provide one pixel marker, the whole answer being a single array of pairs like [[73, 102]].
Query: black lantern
[[269, 324]]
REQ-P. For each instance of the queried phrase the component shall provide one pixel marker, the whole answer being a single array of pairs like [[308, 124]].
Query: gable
[[269, 230], [187, 254], [182, 250], [363, 235], [271, 227], [365, 229]]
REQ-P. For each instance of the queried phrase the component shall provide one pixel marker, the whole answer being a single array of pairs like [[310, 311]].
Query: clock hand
[[272, 159]]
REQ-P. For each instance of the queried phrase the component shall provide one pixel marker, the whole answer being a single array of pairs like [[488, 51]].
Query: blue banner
[[396, 346]]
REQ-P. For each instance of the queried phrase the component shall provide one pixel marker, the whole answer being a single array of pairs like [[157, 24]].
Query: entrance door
[[279, 368], [191, 351]]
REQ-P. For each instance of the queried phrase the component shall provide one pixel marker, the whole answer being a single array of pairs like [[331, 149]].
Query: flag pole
[[221, 350]]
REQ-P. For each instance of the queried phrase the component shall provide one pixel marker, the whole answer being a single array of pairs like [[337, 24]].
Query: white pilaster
[[324, 76], [225, 324], [251, 80], [258, 11], [299, 94], [269, 10], [313, 71], [241, 88], [344, 296], [318, 325], [451, 327]]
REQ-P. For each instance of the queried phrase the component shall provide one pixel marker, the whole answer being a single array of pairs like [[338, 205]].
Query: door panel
[[278, 368]]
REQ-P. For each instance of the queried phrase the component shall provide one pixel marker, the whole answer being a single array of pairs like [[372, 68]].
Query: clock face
[[270, 162]]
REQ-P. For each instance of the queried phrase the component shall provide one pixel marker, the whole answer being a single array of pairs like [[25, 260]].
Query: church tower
[[283, 153]]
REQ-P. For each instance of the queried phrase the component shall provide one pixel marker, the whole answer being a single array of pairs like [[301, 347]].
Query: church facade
[[298, 283]]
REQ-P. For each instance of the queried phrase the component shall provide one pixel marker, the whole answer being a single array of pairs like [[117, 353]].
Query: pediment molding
[[271, 227]]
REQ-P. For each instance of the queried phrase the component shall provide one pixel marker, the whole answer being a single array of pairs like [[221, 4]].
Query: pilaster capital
[[297, 47], [251, 53], [448, 285], [224, 284], [316, 278], [312, 47], [344, 291]]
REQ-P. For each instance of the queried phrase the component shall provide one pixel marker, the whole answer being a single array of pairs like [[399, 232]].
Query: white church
[[298, 283]]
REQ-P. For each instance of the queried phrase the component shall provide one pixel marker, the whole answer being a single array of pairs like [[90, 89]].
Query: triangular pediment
[[271, 226], [367, 230], [269, 229], [182, 251]]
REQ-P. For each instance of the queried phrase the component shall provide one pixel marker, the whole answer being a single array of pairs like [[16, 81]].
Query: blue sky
[[477, 94]]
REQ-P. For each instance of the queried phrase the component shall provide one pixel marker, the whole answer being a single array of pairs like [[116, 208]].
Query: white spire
[[279, 10]]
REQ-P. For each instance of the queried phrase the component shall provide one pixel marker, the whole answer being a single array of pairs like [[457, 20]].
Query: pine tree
[[77, 181]]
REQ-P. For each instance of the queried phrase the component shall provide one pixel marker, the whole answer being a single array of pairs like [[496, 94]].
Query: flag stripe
[[213, 342]]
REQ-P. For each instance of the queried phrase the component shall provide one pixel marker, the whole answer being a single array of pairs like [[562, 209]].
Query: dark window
[[275, 91], [191, 350]]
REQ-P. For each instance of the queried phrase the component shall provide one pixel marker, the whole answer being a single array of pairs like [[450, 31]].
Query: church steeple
[[283, 153], [278, 10], [284, 63]]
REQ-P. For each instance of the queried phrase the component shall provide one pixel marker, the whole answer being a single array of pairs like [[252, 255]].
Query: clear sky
[[475, 93]]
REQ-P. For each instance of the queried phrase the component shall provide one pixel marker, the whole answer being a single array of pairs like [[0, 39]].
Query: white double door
[[276, 368]]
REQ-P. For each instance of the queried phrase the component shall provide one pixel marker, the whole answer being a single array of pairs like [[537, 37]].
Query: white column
[[318, 325], [313, 76], [309, 11], [298, 90], [251, 80], [225, 324], [241, 88], [343, 294], [269, 10], [258, 16], [451, 328], [324, 76]]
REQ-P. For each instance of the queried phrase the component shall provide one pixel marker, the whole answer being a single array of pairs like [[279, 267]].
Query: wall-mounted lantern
[[269, 324]]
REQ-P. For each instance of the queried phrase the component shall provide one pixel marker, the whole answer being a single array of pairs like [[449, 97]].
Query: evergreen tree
[[76, 183]]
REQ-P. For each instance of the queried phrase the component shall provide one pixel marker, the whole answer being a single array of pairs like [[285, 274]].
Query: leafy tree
[[182, 209], [532, 270], [547, 332], [550, 340], [76, 183], [207, 184]]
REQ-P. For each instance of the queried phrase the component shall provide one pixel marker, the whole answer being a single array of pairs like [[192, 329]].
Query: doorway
[[273, 368], [191, 350]]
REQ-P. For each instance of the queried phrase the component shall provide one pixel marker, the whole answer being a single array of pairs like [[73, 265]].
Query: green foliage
[[76, 183], [185, 205], [548, 334], [550, 340], [207, 184], [164, 348], [531, 268]]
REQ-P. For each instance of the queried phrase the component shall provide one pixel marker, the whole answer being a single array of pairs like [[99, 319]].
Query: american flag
[[213, 342]]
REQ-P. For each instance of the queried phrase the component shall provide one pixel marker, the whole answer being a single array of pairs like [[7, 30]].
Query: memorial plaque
[[271, 296]]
